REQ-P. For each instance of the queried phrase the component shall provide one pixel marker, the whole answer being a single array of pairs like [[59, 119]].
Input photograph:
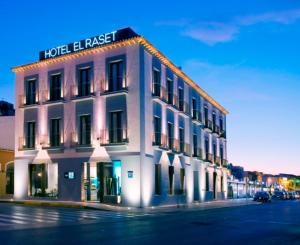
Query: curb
[[200, 206]]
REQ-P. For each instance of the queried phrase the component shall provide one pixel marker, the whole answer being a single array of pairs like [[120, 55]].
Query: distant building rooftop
[[6, 108]]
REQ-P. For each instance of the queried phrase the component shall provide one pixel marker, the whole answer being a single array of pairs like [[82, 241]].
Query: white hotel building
[[113, 120]]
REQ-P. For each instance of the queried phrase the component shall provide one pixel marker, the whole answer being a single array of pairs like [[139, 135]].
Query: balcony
[[217, 160], [184, 108], [224, 162], [28, 102], [77, 94], [117, 136], [27, 143], [216, 130], [117, 87], [209, 157], [159, 92], [222, 134], [57, 142], [198, 154], [197, 116], [46, 98], [80, 147], [208, 125], [187, 150], [157, 139]]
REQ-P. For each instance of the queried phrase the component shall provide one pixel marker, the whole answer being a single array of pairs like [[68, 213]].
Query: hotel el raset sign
[[87, 43]]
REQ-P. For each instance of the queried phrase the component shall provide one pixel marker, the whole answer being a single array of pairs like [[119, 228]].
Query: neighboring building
[[116, 122], [7, 139], [6, 109]]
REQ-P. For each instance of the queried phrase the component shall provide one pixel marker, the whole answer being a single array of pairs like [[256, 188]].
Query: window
[[181, 139], [43, 180], [215, 151], [214, 121], [30, 92], [30, 135], [194, 109], [222, 184], [84, 82], [115, 129], [207, 148], [221, 154], [115, 76], [221, 124], [195, 145], [182, 181], [206, 115], [171, 180], [206, 181], [170, 91], [54, 132], [180, 99], [157, 131], [55, 87], [85, 130], [170, 135], [156, 83], [157, 179]]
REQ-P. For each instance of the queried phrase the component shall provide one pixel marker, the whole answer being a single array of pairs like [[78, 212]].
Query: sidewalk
[[165, 208]]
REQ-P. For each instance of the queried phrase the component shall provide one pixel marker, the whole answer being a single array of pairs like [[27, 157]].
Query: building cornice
[[128, 42]]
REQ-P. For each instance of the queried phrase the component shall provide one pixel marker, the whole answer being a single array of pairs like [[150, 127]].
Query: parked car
[[262, 196], [286, 195], [279, 195], [291, 195], [297, 194]]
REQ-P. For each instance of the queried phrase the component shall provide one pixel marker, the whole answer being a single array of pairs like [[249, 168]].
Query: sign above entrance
[[69, 175], [130, 174], [88, 43]]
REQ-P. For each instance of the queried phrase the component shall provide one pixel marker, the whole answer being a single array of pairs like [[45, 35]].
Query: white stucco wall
[[7, 132]]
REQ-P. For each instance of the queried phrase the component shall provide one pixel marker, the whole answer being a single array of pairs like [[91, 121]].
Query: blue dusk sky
[[245, 54]]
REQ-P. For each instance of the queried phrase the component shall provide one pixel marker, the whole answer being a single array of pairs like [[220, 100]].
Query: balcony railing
[[223, 134], [114, 136], [27, 142], [23, 101], [209, 157], [208, 124], [187, 150], [196, 115], [224, 162], [217, 160], [216, 129], [113, 86], [157, 138], [160, 92], [47, 97], [77, 93]]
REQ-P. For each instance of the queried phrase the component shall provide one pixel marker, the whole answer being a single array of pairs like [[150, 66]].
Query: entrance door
[[102, 182], [91, 181], [196, 186], [215, 185]]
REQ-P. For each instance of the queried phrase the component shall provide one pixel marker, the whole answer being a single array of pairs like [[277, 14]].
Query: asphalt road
[[277, 222]]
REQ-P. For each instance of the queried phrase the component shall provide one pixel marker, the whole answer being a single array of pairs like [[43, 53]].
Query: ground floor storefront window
[[43, 180], [10, 178], [102, 182]]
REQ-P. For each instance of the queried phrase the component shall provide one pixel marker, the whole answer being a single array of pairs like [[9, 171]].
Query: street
[[268, 223]]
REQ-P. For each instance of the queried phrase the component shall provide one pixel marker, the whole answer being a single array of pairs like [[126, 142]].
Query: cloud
[[237, 83], [282, 17], [213, 32]]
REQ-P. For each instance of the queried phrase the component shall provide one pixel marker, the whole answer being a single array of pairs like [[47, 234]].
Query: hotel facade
[[110, 119]]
